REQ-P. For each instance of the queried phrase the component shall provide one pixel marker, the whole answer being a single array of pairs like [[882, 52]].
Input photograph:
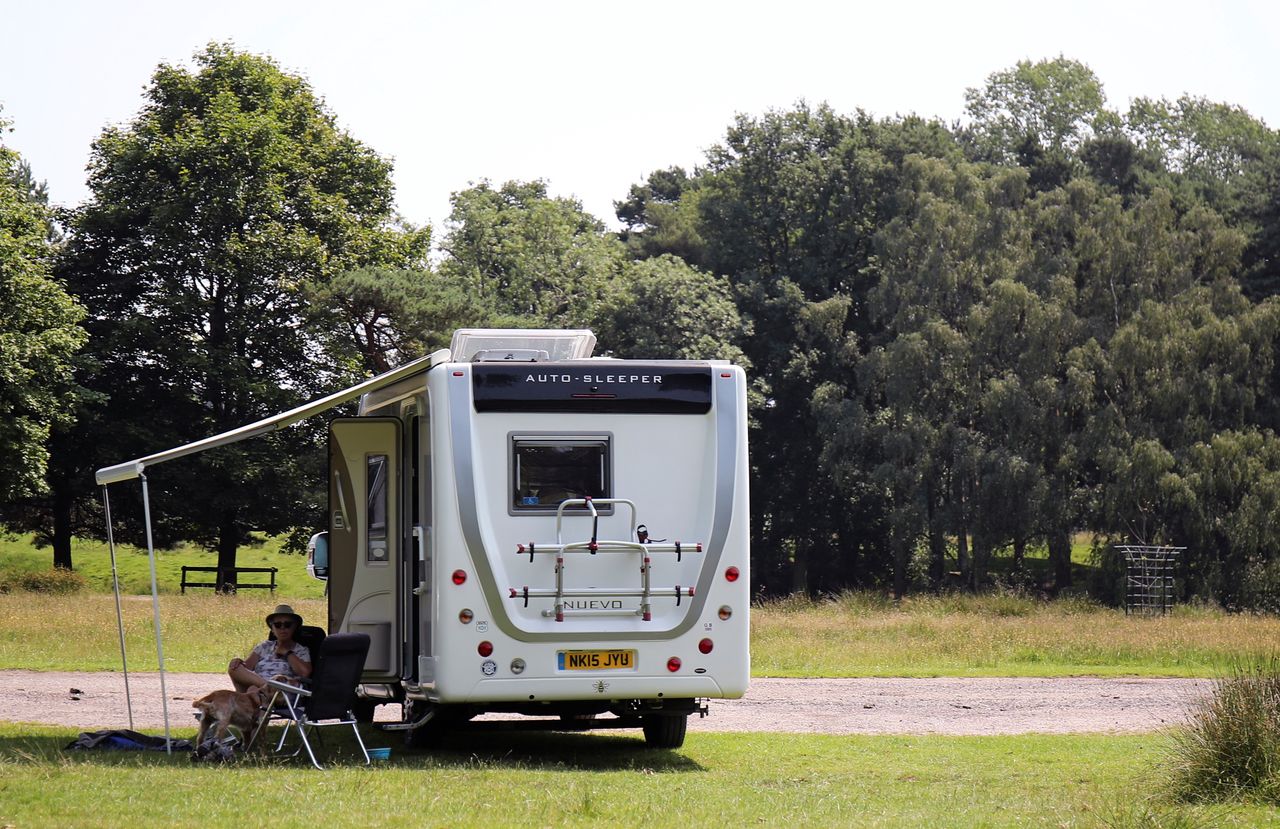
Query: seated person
[[279, 657]]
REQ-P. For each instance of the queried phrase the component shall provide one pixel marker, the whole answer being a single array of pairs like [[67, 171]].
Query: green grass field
[[599, 780], [92, 560]]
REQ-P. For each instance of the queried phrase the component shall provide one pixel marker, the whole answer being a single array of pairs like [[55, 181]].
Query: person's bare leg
[[243, 678]]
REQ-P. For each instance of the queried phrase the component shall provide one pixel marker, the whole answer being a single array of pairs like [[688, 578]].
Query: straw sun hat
[[284, 610]]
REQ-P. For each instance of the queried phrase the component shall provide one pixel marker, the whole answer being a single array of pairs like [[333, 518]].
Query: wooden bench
[[236, 584]]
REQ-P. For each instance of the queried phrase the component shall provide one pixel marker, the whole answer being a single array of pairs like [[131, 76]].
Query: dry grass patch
[[852, 635], [1231, 747], [857, 634], [78, 632]]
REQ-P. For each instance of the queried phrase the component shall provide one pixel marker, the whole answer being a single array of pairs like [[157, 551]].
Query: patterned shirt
[[269, 664]]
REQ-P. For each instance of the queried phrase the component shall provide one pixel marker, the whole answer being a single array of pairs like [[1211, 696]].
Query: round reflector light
[[486, 648], [706, 645], [725, 612], [732, 574], [673, 664], [465, 616], [459, 576]]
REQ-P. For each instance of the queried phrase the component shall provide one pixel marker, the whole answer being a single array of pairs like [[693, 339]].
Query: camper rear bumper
[[599, 687]]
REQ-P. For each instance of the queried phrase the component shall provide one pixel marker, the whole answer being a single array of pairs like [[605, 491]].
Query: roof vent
[[544, 344], [510, 355]]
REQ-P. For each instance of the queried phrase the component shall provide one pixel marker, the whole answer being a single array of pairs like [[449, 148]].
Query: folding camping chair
[[309, 636], [328, 699]]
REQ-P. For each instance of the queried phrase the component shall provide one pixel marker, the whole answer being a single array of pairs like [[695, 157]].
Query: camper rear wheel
[[665, 730], [431, 735]]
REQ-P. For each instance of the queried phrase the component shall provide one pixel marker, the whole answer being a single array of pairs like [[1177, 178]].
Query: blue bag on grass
[[122, 739]]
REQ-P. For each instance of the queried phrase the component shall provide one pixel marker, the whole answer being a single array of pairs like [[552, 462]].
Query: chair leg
[[306, 728], [264, 717], [302, 732], [355, 726], [295, 718]]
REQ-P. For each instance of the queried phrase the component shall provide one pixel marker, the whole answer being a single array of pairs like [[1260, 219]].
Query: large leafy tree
[[391, 315], [956, 239], [1219, 156], [789, 205], [662, 308], [661, 216], [987, 354], [529, 258], [1053, 104], [215, 216], [38, 336]]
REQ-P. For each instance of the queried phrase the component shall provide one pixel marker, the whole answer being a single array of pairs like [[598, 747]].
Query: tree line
[[965, 340]]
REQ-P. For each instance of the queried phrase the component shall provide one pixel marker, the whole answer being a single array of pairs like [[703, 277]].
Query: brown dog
[[228, 708]]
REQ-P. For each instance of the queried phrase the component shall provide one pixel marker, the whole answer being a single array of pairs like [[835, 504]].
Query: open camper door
[[365, 535]]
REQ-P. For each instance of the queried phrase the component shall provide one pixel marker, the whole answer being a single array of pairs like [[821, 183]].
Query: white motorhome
[[523, 528]]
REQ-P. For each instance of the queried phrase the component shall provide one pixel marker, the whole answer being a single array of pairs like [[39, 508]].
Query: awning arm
[[133, 469]]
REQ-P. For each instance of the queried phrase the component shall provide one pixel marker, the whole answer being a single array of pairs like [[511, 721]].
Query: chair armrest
[[287, 688]]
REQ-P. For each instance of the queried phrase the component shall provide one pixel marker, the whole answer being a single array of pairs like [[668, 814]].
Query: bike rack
[[595, 546]]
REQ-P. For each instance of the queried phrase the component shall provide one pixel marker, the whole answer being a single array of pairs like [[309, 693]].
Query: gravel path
[[814, 706]]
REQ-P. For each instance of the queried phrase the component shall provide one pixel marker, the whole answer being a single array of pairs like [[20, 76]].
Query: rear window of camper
[[547, 470]]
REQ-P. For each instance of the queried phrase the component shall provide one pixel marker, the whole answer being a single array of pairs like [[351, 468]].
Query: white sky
[[592, 96]]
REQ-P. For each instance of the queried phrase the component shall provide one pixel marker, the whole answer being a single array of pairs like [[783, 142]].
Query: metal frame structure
[[1149, 588]]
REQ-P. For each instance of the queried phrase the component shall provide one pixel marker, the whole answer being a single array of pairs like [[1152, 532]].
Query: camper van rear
[[551, 537]]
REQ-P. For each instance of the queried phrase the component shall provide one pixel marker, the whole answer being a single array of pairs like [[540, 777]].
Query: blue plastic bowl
[[379, 754]]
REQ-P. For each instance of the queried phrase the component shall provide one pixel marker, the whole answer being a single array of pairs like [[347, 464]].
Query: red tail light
[[485, 649], [459, 576], [732, 574], [706, 645], [673, 664]]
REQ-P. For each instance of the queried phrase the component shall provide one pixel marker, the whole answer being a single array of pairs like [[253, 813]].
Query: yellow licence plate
[[596, 660]]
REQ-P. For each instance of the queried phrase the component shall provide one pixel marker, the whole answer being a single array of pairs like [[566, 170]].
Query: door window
[[377, 512]]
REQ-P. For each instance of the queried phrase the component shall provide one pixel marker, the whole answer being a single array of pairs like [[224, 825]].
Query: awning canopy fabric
[[133, 469]]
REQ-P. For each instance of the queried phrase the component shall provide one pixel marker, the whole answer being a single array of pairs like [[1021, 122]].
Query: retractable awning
[[132, 469], [136, 469]]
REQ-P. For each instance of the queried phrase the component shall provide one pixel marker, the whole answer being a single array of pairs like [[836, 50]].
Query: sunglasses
[[282, 624]]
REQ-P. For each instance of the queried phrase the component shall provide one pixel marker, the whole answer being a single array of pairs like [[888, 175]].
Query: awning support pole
[[115, 583], [155, 611]]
